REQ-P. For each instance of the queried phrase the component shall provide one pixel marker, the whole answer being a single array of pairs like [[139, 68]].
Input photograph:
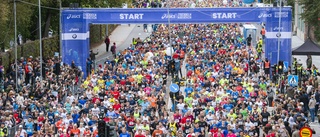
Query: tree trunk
[[48, 21]]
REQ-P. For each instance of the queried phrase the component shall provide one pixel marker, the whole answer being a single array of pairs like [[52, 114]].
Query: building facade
[[299, 26]]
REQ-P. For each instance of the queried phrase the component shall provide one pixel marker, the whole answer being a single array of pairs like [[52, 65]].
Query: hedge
[[49, 46]]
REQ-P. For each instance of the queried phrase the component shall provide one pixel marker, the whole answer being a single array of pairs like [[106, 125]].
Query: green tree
[[311, 14], [5, 20], [27, 16]]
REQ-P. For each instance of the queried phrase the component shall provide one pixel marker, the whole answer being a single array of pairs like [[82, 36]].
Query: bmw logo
[[74, 36]]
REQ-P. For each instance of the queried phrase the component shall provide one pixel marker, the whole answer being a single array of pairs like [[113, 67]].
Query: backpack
[[113, 48], [26, 68], [271, 94]]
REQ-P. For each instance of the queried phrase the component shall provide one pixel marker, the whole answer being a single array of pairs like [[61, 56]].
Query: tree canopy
[[311, 15], [27, 16]]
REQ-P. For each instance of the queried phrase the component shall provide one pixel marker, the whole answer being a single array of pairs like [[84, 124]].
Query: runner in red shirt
[[41, 120], [177, 117], [116, 94], [217, 67], [231, 134], [131, 123], [214, 130], [219, 134], [95, 99], [116, 105], [139, 134]]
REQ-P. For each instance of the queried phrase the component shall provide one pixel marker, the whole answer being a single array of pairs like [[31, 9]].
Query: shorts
[[267, 71], [130, 129]]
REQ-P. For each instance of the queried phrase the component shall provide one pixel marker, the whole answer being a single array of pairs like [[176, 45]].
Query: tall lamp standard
[[40, 40], [15, 42], [279, 31]]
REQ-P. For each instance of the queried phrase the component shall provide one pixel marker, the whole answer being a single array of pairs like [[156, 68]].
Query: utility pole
[[60, 26], [40, 40], [279, 31], [15, 42], [169, 28]]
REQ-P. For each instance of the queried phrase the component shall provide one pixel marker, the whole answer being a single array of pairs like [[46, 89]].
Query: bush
[[49, 47]]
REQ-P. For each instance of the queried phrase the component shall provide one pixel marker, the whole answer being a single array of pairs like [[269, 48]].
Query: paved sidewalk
[[122, 36], [119, 35], [297, 42]]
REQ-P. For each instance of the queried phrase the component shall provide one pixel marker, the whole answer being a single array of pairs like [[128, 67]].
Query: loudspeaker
[[101, 128], [275, 4], [57, 69]]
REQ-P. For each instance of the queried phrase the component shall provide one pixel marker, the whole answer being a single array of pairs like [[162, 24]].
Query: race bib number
[[265, 120], [235, 96], [177, 120], [143, 86], [187, 130], [131, 123], [256, 123]]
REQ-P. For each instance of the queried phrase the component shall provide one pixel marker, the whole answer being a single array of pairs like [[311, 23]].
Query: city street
[[123, 35]]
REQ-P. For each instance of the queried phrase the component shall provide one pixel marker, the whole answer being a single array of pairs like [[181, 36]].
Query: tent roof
[[307, 48]]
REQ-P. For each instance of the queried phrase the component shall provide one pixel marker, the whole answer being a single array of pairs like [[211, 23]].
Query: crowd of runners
[[225, 89]]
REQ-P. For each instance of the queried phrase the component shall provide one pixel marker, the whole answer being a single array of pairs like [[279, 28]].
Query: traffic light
[[280, 67], [110, 131], [171, 65], [274, 70], [101, 128], [293, 70]]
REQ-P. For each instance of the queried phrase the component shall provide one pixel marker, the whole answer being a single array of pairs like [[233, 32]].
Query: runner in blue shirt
[[124, 133]]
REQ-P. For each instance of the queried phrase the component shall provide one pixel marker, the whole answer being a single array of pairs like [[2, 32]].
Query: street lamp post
[[40, 40], [60, 25], [15, 43], [169, 28], [279, 31]]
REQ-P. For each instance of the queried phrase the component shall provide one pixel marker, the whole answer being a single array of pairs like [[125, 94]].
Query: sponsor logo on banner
[[74, 29], [283, 14], [264, 15], [74, 36], [135, 16], [72, 16], [177, 16], [90, 16], [231, 15], [278, 28]]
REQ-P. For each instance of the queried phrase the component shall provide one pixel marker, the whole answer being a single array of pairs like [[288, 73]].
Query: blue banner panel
[[73, 50], [274, 33], [75, 25], [272, 50], [176, 15]]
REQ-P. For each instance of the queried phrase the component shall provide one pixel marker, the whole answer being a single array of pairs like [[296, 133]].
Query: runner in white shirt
[[21, 132], [70, 98], [180, 105], [95, 110], [106, 102]]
